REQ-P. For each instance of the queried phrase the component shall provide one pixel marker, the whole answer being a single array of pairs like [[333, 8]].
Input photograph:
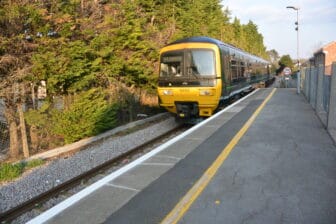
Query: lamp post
[[297, 45]]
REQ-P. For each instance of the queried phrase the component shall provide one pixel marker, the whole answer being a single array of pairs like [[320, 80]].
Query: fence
[[319, 87], [4, 136]]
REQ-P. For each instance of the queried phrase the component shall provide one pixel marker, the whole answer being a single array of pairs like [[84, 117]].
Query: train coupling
[[186, 110]]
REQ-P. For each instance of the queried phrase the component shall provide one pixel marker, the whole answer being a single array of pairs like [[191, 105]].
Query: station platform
[[265, 159]]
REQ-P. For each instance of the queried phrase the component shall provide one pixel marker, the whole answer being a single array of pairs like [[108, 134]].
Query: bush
[[90, 114], [40, 128], [34, 163], [10, 171]]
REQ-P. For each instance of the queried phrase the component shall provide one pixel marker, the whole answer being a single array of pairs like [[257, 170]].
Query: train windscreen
[[200, 63], [188, 64], [172, 64]]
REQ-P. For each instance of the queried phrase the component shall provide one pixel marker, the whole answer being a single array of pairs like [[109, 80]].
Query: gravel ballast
[[60, 170]]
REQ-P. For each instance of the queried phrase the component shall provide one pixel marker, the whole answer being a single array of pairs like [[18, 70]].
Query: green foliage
[[10, 171], [254, 40], [127, 47], [274, 57], [198, 18], [286, 61], [67, 68], [41, 118], [34, 163], [16, 17], [89, 115]]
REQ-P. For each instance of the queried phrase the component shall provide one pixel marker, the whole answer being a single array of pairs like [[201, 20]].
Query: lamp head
[[293, 7]]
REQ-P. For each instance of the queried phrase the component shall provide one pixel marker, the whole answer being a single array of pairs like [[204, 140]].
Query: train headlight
[[167, 92], [206, 92]]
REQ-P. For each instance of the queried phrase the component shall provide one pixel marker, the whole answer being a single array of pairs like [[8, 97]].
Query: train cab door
[[225, 76]]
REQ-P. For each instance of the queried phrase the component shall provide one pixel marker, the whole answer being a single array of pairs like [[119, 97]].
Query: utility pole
[[297, 46]]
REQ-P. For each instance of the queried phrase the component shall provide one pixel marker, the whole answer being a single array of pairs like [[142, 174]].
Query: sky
[[317, 23]]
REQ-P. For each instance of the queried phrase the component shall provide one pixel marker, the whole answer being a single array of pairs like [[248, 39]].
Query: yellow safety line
[[184, 204]]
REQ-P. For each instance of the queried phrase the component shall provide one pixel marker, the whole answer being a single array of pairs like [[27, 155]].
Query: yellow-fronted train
[[198, 75]]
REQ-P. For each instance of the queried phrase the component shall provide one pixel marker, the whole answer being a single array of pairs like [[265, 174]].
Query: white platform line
[[50, 213], [122, 187], [194, 138], [157, 164], [169, 157], [213, 125]]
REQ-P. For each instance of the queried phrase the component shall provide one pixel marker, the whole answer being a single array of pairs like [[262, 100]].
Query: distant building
[[325, 56]]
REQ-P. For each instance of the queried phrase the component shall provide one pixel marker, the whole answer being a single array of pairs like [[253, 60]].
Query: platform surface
[[282, 170]]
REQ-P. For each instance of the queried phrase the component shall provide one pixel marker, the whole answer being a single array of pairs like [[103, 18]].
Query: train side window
[[234, 70], [226, 66], [254, 68], [242, 70], [248, 70], [259, 69]]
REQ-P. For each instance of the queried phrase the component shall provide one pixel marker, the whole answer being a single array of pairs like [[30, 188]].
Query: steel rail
[[13, 213]]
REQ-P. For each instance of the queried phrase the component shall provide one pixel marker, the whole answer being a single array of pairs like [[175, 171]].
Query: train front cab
[[190, 82]]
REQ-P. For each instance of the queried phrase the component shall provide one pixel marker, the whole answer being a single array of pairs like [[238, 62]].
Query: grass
[[9, 172]]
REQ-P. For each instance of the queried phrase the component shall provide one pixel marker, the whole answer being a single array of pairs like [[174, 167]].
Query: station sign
[[287, 71]]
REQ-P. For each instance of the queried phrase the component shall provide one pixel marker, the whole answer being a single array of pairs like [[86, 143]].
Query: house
[[325, 56]]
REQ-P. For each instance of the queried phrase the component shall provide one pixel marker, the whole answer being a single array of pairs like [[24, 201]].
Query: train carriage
[[198, 74]]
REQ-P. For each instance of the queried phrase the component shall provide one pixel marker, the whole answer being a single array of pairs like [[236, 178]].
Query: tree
[[274, 57], [285, 61], [13, 85], [237, 34]]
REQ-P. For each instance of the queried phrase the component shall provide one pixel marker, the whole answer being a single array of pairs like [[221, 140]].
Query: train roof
[[204, 39], [199, 39]]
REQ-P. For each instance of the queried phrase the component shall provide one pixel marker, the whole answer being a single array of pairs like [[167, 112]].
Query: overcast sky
[[317, 23]]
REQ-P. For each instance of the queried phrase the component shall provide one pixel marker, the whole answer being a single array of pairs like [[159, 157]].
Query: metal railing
[[319, 88]]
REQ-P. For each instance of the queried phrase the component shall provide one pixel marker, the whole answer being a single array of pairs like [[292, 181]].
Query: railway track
[[37, 201]]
